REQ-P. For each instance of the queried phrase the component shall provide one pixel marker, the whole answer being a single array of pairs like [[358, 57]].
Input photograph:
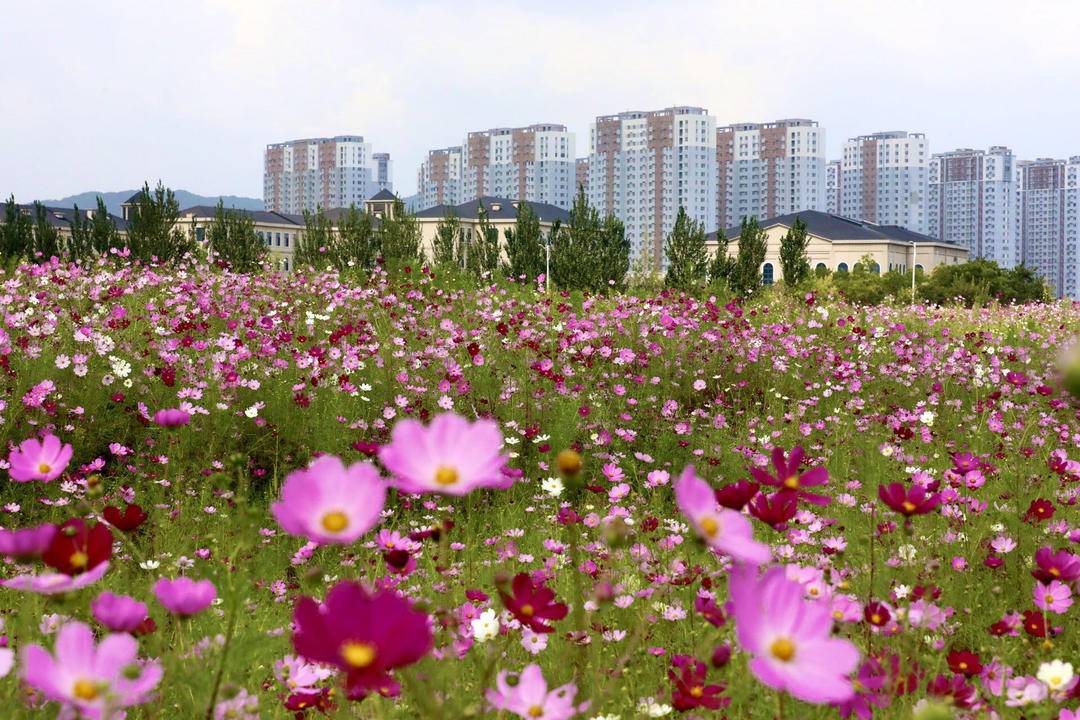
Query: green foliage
[[447, 235], [400, 236], [590, 253], [644, 277], [358, 245], [484, 252], [980, 281], [103, 233], [314, 247], [794, 262], [80, 245], [46, 237], [745, 278], [232, 238], [722, 265], [17, 239], [687, 256], [153, 234], [525, 245]]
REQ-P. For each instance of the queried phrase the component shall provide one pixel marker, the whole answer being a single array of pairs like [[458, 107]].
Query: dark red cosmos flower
[[319, 699], [77, 548], [1061, 565], [370, 449], [532, 603], [709, 610], [1039, 510], [877, 613], [132, 517], [690, 691], [364, 635], [1035, 623], [955, 688], [775, 510], [964, 662], [788, 477], [908, 502], [735, 495]]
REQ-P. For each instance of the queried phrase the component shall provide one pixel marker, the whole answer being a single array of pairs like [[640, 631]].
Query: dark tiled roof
[[62, 218], [837, 227], [259, 216], [133, 199], [497, 209], [383, 194]]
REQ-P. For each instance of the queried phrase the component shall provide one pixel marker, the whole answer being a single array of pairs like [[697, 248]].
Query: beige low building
[[837, 243], [501, 214], [279, 231]]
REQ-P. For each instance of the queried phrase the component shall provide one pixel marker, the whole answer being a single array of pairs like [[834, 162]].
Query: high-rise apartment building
[[644, 165], [330, 172], [832, 187], [439, 179], [769, 169], [581, 175], [972, 202], [534, 163], [884, 178], [1048, 221]]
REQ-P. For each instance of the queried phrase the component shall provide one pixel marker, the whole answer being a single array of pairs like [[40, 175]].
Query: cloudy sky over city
[[104, 95]]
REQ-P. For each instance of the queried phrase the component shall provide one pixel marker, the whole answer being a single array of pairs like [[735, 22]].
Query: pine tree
[[315, 246], [614, 256], [484, 252], [746, 278], [153, 233], [722, 264], [687, 257], [357, 242], [447, 235], [400, 236], [524, 244], [80, 245], [18, 233], [103, 234], [46, 237], [794, 262], [233, 239]]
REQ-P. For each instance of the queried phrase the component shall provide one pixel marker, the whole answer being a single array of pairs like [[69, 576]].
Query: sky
[[104, 95]]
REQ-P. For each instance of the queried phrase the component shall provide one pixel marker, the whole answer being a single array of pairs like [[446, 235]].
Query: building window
[[875, 268], [821, 268], [841, 268], [767, 274]]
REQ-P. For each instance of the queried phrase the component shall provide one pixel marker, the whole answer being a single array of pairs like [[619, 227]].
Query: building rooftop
[[62, 218], [836, 227], [383, 194], [267, 217], [497, 209]]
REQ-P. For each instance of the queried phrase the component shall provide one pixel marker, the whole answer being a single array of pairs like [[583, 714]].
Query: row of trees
[[357, 241]]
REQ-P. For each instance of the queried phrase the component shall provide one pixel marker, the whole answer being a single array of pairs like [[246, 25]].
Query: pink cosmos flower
[[788, 478], [172, 417], [88, 680], [329, 503], [790, 637], [1055, 597], [530, 699], [56, 583], [119, 613], [184, 596], [28, 542], [42, 460], [722, 529], [450, 456]]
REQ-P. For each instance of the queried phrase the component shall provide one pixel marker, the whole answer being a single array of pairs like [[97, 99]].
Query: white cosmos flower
[[486, 626], [1055, 674]]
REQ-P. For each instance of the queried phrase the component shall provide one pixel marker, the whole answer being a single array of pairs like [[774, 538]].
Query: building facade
[[439, 180], [972, 202], [884, 178], [279, 231], [832, 187], [770, 169], [534, 163], [1048, 221], [581, 175], [499, 213], [328, 172], [644, 165]]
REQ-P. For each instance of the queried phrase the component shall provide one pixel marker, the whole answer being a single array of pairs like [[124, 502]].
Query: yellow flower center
[[335, 521], [792, 483], [446, 475], [783, 649], [837, 615], [697, 691], [358, 654], [1049, 599], [78, 559], [710, 525], [527, 610], [85, 689], [908, 506], [536, 711], [963, 665], [875, 619], [1055, 682], [1055, 572], [44, 468]]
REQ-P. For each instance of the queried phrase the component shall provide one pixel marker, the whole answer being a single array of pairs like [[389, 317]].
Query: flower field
[[277, 496]]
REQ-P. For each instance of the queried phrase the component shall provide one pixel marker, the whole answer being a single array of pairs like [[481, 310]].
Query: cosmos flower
[[184, 596], [56, 583], [43, 460], [87, 678], [908, 501], [172, 417], [127, 520], [1062, 565], [364, 635], [790, 637], [532, 603], [1055, 597], [77, 548], [689, 687], [530, 698], [722, 529], [328, 503], [774, 510], [789, 478], [26, 543], [118, 613], [450, 456]]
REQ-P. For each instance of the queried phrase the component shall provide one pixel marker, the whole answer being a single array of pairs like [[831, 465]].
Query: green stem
[[224, 657]]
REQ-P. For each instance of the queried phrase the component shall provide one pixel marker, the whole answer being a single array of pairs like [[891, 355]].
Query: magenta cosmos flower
[[89, 679], [1055, 596], [119, 613], [530, 698], [790, 637], [26, 543], [42, 460], [56, 583], [184, 596], [789, 479], [172, 417], [329, 503], [366, 636], [450, 456], [722, 529]]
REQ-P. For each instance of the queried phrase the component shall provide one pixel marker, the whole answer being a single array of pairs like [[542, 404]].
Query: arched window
[[767, 274], [919, 267], [842, 267], [821, 267], [875, 268]]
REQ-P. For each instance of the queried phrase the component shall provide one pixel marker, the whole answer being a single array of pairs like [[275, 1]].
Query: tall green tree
[[232, 238], [315, 246], [722, 265], [400, 236], [525, 244], [46, 236], [357, 242], [687, 256], [80, 246], [103, 233], [590, 253], [614, 256], [745, 281], [484, 251], [17, 233], [447, 237], [153, 233], [794, 261]]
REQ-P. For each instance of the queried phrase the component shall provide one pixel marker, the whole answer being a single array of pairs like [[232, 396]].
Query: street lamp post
[[547, 267], [914, 257]]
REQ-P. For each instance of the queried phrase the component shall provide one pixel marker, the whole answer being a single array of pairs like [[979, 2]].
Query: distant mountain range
[[185, 199]]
